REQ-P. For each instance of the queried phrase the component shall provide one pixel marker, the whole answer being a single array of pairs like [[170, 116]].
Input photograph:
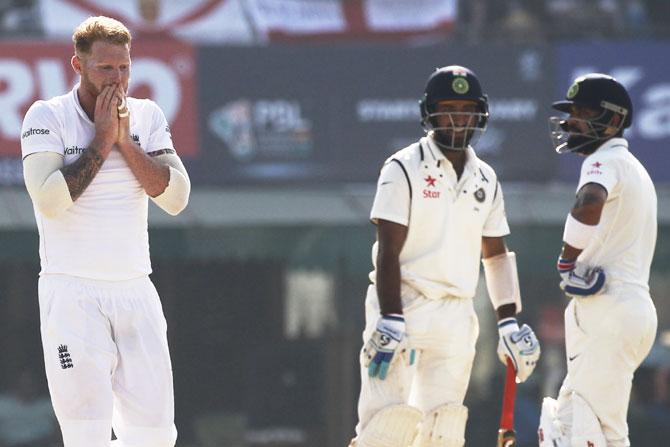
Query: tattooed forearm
[[79, 174]]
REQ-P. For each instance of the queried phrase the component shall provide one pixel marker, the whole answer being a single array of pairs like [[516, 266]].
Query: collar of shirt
[[434, 153], [612, 144], [77, 105]]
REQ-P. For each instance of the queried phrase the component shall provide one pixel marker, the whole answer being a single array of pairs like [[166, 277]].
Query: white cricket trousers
[[107, 361], [607, 337], [443, 333]]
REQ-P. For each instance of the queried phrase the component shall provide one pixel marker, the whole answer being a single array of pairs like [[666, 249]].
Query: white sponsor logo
[[274, 129], [47, 77], [387, 110], [513, 109], [407, 110]]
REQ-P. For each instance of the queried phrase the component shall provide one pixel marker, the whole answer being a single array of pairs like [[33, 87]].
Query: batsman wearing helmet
[[438, 210], [608, 244]]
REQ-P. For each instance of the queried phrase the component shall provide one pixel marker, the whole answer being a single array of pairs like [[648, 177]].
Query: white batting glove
[[580, 280], [380, 350], [520, 345]]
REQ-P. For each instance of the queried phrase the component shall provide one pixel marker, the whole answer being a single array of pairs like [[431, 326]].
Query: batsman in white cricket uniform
[[608, 245], [438, 210], [92, 157]]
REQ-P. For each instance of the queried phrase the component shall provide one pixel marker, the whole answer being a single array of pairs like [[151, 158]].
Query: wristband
[[565, 265]]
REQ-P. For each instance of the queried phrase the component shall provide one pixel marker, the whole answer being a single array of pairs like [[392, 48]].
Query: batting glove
[[579, 280], [380, 350], [520, 345]]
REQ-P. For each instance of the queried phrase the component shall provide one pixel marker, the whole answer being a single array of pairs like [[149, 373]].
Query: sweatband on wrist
[[577, 234], [565, 265]]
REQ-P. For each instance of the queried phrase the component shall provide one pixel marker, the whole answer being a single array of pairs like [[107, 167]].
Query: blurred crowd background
[[283, 111], [473, 21]]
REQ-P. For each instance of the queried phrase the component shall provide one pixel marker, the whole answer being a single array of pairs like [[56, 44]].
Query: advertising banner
[[328, 114], [300, 20], [163, 72], [644, 72], [211, 21]]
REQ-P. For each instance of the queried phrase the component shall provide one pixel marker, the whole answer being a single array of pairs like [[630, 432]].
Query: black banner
[[328, 114]]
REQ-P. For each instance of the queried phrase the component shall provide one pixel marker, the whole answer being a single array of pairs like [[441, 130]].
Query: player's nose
[[571, 124], [460, 119], [117, 75]]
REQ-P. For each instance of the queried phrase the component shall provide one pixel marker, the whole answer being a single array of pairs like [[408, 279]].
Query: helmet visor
[[455, 130], [575, 134]]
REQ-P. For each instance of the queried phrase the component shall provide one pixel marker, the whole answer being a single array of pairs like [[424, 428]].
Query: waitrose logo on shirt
[[32, 131], [74, 150]]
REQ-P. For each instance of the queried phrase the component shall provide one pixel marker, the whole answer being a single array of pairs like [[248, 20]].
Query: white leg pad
[[586, 429], [392, 426], [443, 427], [145, 436], [549, 433], [86, 433]]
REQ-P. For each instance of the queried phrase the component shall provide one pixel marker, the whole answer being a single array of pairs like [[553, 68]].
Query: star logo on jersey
[[595, 169], [430, 181]]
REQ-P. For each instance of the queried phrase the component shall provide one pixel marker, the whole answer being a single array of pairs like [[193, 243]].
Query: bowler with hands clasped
[[92, 159], [439, 212]]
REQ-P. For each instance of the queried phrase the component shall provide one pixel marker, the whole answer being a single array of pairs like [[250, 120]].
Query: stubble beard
[[93, 90]]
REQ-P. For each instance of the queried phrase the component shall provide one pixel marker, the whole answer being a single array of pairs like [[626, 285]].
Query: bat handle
[[506, 434], [506, 438]]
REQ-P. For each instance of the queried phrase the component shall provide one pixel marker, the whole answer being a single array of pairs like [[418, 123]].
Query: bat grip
[[509, 395]]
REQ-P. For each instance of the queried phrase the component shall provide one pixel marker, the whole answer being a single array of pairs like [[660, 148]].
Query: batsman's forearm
[[79, 174], [506, 311], [570, 252], [388, 285]]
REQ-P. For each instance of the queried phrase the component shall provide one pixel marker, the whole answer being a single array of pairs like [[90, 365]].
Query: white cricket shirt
[[103, 235], [446, 217], [625, 238]]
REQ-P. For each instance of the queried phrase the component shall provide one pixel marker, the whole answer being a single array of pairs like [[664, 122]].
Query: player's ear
[[76, 64]]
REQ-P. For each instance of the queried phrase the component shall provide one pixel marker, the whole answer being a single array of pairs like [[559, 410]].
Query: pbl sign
[[163, 72]]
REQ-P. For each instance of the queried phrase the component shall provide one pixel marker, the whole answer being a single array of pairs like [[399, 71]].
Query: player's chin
[[459, 139]]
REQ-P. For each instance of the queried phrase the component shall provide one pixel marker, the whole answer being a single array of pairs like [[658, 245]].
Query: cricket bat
[[506, 433]]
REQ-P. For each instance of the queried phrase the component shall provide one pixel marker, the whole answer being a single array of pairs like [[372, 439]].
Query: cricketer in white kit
[[91, 159], [608, 245], [438, 210]]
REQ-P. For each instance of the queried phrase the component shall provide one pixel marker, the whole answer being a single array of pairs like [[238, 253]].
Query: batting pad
[[443, 427], [393, 426], [549, 433], [586, 429]]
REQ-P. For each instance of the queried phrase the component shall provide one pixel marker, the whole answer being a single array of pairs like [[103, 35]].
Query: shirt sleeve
[[40, 131], [496, 222], [392, 200], [160, 136], [599, 169]]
